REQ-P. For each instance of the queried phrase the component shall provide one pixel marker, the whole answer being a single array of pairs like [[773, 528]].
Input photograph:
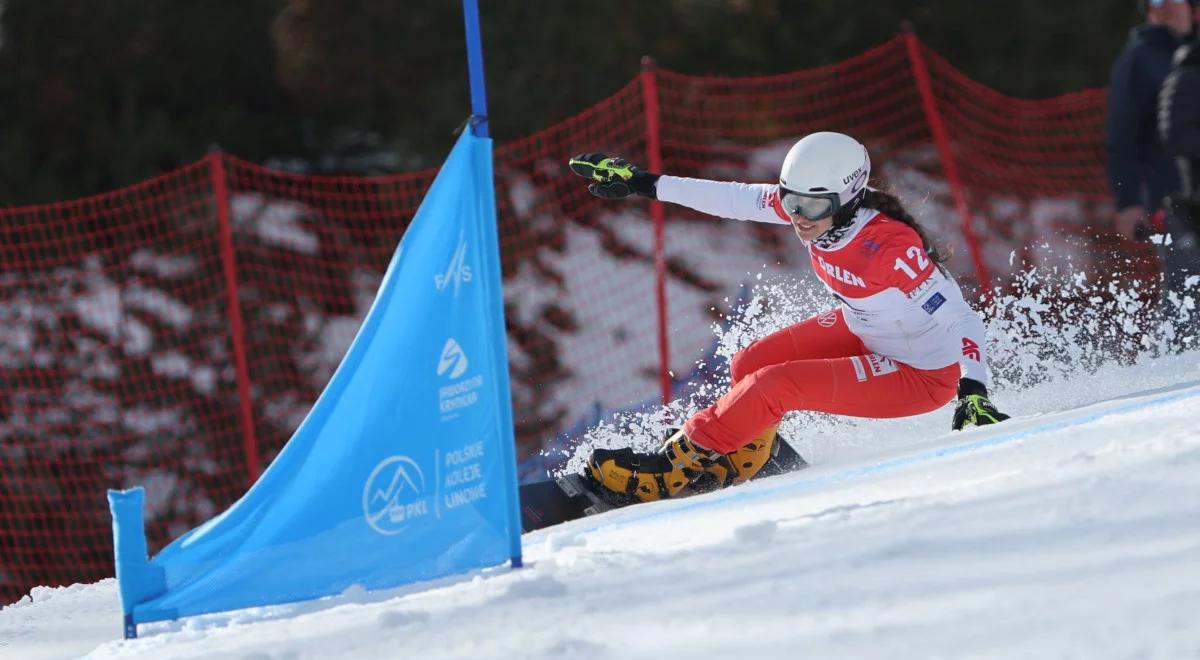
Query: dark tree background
[[98, 95]]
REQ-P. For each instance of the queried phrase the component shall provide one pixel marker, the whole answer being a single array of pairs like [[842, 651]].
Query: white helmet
[[822, 174]]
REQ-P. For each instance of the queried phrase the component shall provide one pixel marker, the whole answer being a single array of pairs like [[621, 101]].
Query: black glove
[[973, 407], [613, 178]]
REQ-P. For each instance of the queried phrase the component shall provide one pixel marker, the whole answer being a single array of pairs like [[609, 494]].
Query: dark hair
[[891, 206]]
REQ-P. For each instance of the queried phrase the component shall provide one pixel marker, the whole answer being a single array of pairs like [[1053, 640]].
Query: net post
[[220, 183], [649, 80], [479, 128], [941, 138], [479, 111]]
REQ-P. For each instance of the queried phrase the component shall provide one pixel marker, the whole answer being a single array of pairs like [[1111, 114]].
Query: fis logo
[[453, 362], [457, 273]]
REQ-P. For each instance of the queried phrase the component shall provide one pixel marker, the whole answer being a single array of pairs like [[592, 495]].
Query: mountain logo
[[457, 272], [394, 494], [453, 362]]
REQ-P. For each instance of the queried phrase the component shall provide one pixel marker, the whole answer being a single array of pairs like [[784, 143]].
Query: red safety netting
[[1033, 176], [174, 333], [115, 370]]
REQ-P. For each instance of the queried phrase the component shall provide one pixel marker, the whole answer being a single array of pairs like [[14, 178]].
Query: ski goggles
[[811, 206], [1159, 3]]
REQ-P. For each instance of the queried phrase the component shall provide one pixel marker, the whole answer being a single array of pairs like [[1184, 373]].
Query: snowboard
[[573, 496]]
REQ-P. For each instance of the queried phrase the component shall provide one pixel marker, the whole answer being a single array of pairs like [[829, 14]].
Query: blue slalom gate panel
[[404, 468]]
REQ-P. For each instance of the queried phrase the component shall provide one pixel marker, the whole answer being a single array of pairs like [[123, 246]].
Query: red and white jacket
[[893, 296]]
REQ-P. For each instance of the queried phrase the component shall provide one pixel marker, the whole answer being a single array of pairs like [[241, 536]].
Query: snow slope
[[1072, 531]]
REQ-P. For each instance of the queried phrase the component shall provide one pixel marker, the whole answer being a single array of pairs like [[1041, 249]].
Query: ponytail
[[891, 206]]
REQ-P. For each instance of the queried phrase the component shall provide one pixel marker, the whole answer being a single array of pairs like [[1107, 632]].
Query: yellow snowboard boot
[[625, 475]]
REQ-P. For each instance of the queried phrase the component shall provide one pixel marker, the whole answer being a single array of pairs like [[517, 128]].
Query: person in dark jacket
[[1141, 171], [1179, 130]]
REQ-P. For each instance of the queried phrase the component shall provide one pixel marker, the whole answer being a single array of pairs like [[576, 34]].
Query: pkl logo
[[457, 273], [394, 494], [970, 349], [453, 361]]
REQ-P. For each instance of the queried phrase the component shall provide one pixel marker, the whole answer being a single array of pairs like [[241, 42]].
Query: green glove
[[974, 408], [612, 177]]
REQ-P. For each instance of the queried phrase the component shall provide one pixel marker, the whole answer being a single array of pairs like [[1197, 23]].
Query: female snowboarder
[[903, 341]]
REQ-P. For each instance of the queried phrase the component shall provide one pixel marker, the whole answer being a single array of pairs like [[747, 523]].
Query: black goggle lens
[[811, 207]]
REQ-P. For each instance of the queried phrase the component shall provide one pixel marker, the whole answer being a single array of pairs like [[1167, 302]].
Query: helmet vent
[[818, 189]]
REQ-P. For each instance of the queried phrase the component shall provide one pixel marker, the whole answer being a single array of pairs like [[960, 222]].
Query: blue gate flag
[[404, 469]]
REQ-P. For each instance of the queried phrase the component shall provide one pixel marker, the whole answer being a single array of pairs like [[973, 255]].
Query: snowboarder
[[903, 342]]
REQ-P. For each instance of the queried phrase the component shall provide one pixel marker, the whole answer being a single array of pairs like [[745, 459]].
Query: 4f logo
[[457, 273], [970, 349]]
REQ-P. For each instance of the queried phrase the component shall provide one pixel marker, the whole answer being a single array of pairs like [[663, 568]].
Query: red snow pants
[[818, 365]]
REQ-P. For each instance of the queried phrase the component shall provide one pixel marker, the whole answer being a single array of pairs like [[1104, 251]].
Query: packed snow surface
[[1071, 531]]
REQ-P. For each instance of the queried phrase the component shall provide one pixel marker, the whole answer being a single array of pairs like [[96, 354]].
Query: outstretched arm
[[614, 178], [725, 199]]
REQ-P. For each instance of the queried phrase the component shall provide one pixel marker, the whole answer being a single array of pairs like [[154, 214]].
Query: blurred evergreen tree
[[100, 95]]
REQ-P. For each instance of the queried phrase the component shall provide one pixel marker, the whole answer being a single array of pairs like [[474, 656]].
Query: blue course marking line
[[741, 495]]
